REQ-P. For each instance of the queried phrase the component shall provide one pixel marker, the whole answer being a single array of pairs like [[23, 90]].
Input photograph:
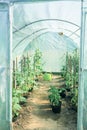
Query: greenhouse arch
[[8, 45], [35, 22], [45, 28]]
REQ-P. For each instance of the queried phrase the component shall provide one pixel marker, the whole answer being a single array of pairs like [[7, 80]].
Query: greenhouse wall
[[82, 109], [5, 80]]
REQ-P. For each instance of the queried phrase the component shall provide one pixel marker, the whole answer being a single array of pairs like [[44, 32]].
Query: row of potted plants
[[55, 97]]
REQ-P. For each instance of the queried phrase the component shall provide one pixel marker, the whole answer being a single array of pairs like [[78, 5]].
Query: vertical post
[[14, 76], [21, 65], [82, 99], [16, 63]]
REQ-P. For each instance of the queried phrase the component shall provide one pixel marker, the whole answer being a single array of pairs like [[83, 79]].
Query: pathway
[[37, 114]]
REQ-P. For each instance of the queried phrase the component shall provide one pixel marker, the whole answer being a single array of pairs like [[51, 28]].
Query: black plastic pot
[[14, 118], [68, 89], [57, 109], [25, 95], [36, 79], [30, 89], [63, 94], [22, 103], [73, 107]]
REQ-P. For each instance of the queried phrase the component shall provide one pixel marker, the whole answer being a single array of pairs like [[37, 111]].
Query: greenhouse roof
[[34, 0], [32, 21]]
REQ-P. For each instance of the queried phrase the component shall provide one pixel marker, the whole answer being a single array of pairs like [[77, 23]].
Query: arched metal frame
[[43, 20], [44, 29]]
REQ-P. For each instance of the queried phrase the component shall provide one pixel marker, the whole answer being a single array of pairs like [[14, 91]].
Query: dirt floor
[[37, 113]]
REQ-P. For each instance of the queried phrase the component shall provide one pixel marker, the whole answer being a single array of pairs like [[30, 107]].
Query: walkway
[[37, 114]]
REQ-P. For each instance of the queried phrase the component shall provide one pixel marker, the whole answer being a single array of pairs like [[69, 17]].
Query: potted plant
[[55, 99]]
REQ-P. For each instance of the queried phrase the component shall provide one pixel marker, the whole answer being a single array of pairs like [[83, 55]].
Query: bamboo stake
[[14, 76], [21, 65], [16, 63]]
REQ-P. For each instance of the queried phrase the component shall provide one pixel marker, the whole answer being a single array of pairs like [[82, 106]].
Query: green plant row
[[24, 79], [70, 73], [71, 69]]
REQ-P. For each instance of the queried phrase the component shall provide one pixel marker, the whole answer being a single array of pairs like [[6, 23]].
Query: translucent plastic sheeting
[[31, 20], [53, 43], [5, 112], [49, 26], [84, 68], [82, 102]]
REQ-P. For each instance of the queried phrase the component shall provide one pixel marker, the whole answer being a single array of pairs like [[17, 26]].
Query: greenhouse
[[43, 65]]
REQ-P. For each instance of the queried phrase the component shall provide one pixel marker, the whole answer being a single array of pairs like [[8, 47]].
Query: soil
[[37, 114]]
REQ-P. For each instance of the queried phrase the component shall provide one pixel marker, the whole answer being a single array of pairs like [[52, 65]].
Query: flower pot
[[57, 109], [25, 95], [73, 107], [63, 94], [36, 79], [30, 89], [68, 89], [14, 118]]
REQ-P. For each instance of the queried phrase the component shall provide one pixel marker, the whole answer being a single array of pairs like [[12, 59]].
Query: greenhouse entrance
[[41, 53], [45, 52]]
